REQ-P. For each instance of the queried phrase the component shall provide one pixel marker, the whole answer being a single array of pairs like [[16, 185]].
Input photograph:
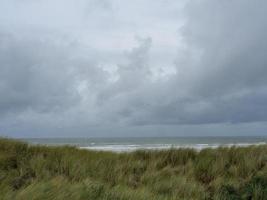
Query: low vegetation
[[41, 172]]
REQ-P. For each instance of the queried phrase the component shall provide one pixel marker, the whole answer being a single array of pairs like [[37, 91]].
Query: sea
[[120, 144]]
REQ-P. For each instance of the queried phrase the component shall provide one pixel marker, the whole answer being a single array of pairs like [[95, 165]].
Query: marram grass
[[30, 172]]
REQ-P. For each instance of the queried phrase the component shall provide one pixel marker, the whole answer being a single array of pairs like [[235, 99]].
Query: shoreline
[[153, 147], [149, 143]]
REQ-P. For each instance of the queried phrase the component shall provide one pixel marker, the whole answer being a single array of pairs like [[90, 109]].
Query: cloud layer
[[79, 65]]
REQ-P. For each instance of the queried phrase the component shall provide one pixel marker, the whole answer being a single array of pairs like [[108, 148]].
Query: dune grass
[[41, 172]]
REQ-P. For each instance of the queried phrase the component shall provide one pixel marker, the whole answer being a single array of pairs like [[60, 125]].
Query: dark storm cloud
[[33, 75], [230, 73], [41, 75], [102, 63], [224, 82], [231, 38]]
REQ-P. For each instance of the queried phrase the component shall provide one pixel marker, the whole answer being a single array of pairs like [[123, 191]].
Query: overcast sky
[[133, 68]]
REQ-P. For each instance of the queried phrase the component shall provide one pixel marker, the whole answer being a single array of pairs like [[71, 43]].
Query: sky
[[108, 68]]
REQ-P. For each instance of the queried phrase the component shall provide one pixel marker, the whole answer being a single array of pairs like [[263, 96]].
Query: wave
[[134, 147]]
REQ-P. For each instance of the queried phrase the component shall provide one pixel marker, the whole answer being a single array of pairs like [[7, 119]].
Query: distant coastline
[[124, 144]]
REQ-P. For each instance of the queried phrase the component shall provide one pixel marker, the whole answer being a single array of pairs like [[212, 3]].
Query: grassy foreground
[[38, 172]]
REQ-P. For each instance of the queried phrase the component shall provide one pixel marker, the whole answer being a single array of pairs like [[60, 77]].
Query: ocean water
[[149, 143]]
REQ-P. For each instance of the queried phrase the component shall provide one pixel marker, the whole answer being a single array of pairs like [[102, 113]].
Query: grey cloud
[[85, 69], [33, 75], [223, 84], [41, 75], [231, 39], [232, 45]]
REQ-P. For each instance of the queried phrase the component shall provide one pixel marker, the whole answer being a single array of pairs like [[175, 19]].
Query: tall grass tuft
[[41, 172]]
